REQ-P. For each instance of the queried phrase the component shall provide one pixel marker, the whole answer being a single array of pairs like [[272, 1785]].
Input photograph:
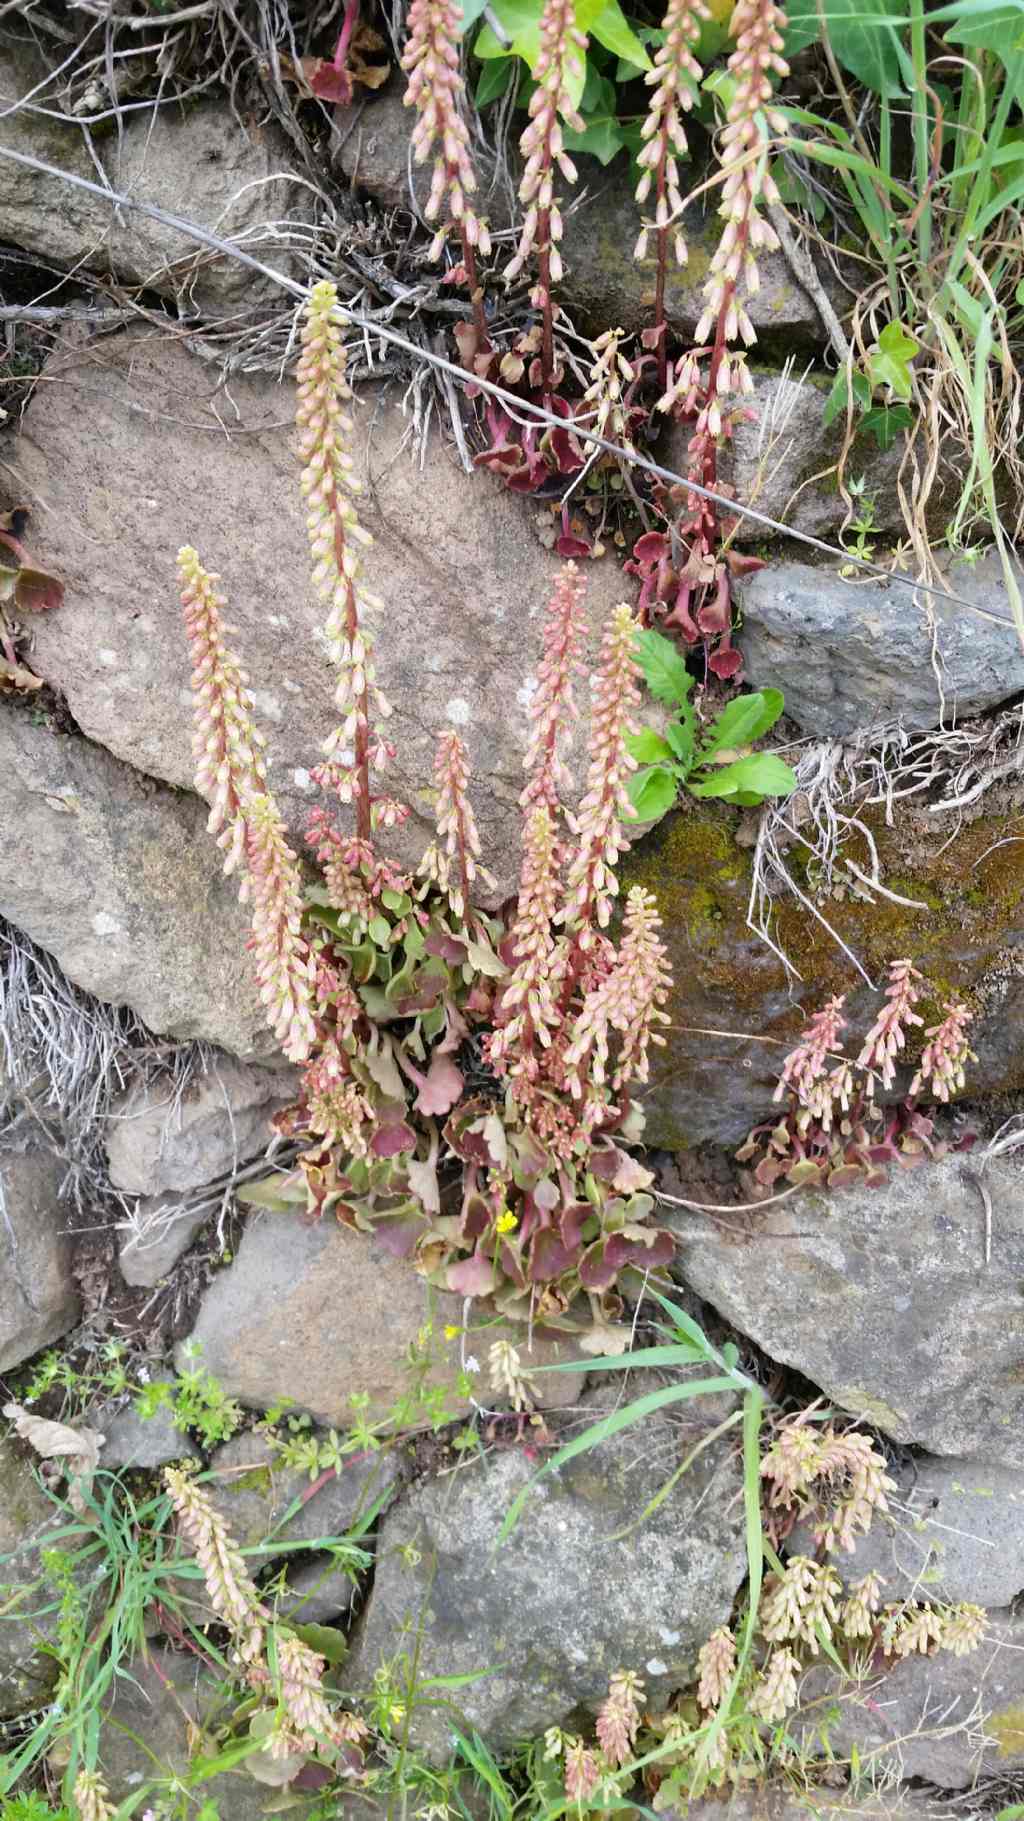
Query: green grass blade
[[609, 1426]]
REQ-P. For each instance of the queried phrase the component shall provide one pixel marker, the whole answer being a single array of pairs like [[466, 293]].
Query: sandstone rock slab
[[947, 1720], [197, 162], [159, 1139], [561, 1605], [38, 1298], [124, 887], [456, 562], [320, 1313], [882, 1297], [855, 654], [162, 1229]]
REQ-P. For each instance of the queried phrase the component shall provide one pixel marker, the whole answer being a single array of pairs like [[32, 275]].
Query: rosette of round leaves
[[440, 1167]]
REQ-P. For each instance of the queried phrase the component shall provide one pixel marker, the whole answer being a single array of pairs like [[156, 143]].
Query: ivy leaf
[[889, 363], [750, 779], [606, 21], [495, 78], [648, 746], [885, 422], [664, 668], [835, 404], [652, 793], [601, 138]]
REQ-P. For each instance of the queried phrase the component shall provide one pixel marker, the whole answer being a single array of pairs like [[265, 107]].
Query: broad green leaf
[[864, 34], [889, 363], [606, 21], [652, 792], [494, 80], [1019, 292], [664, 668], [648, 746], [521, 19], [744, 719], [997, 27], [762, 773], [885, 423], [844, 383]]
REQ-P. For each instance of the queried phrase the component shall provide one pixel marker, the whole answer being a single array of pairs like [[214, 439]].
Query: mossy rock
[[734, 1003], [26, 1673]]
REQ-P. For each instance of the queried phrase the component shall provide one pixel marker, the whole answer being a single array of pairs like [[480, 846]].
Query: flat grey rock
[[856, 654], [883, 1299], [38, 1296], [546, 1618]]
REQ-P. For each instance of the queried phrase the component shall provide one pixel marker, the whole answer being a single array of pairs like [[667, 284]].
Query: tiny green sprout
[[717, 762]]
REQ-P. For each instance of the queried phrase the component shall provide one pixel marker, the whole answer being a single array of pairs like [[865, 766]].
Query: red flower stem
[[475, 293], [547, 351]]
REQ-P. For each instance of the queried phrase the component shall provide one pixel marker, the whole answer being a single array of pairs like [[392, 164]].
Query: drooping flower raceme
[[553, 704], [230, 769], [615, 694], [92, 1797], [558, 67], [226, 744], [431, 60], [232, 1593], [337, 541], [757, 26], [618, 1718], [453, 859], [675, 81]]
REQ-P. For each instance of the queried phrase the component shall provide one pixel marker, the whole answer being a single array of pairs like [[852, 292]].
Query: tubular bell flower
[[336, 540], [775, 1693], [310, 1724], [92, 1798], [757, 26], [716, 1661], [435, 89], [592, 883], [945, 1055], [608, 374], [618, 1718], [562, 48], [232, 1594], [453, 859], [226, 744], [859, 1609], [888, 1035]]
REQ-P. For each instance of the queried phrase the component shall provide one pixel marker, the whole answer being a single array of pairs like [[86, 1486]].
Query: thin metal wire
[[521, 410]]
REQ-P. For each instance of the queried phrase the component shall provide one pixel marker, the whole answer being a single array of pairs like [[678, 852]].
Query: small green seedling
[[716, 763]]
